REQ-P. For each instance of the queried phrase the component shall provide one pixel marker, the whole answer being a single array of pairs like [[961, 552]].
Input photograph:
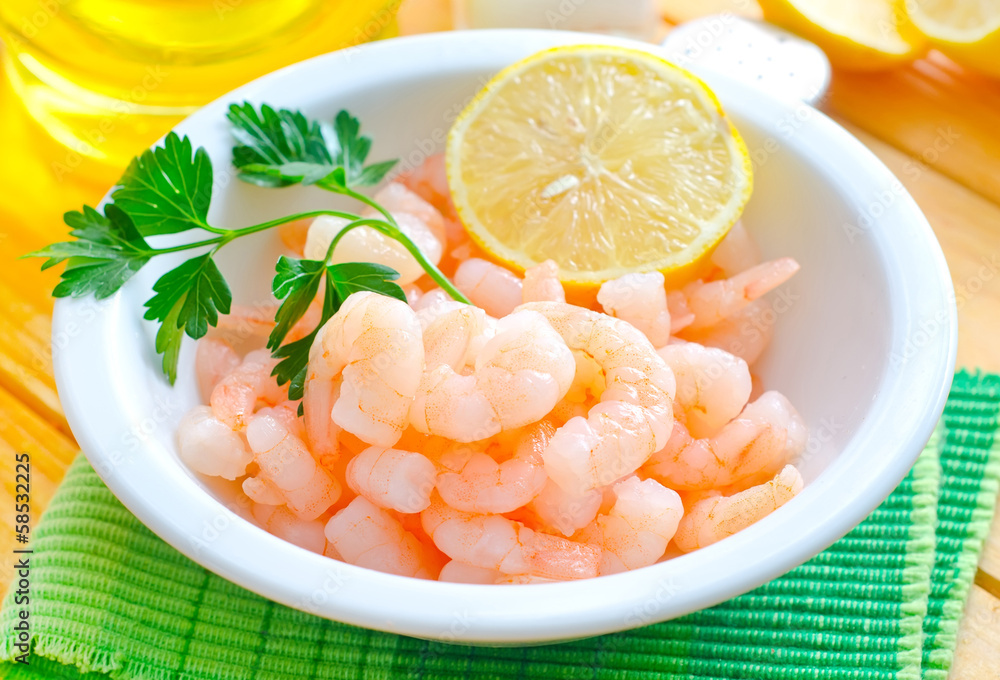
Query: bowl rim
[[248, 556]]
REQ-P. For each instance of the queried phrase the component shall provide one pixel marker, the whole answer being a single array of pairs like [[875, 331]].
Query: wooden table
[[936, 126]]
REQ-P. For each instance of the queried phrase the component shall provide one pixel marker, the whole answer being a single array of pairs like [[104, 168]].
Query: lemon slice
[[866, 35], [968, 31], [604, 159]]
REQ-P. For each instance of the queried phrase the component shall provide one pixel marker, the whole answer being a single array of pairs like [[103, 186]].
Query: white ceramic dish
[[865, 347]]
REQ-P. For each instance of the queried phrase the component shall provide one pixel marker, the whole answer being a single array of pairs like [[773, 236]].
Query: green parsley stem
[[227, 235], [187, 246], [236, 233]]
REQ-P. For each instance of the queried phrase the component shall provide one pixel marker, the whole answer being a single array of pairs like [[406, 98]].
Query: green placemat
[[109, 599]]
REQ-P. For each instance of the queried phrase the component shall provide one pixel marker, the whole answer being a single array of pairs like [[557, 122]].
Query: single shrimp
[[636, 530], [214, 359], [635, 412], [767, 432], [737, 252], [495, 542], [641, 300], [374, 347], [541, 284], [365, 535], [365, 244], [713, 386], [485, 486], [263, 491], [520, 374], [235, 397], [559, 511], [317, 406], [712, 519], [286, 413], [454, 333], [459, 572], [308, 489], [745, 334], [209, 446], [489, 286], [711, 302], [392, 479], [307, 534]]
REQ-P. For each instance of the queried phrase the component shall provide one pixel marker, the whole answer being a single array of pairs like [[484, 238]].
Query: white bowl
[[864, 347]]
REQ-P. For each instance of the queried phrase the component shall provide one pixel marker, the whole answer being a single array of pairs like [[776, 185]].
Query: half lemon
[[605, 159]]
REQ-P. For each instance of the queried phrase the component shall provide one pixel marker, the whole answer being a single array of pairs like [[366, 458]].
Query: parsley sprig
[[167, 190]]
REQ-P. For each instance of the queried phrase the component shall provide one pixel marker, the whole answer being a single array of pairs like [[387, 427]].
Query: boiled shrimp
[[392, 478], [284, 524], [745, 334], [235, 397], [559, 511], [308, 489], [489, 286], [766, 434], [636, 530], [209, 446], [711, 302], [712, 519], [737, 252], [541, 284], [634, 415], [713, 386], [366, 535], [365, 244], [459, 572], [285, 413], [520, 374], [373, 349], [485, 486], [454, 333], [214, 359], [641, 300], [497, 543]]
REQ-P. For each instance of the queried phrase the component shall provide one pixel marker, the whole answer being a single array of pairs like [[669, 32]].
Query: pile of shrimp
[[520, 439]]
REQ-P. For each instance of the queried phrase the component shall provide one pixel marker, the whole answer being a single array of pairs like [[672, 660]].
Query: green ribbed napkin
[[109, 599]]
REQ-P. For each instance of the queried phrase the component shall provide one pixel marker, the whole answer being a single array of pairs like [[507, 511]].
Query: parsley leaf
[[297, 281], [353, 277], [277, 148], [295, 355], [188, 300], [294, 365], [281, 148], [108, 251], [373, 174], [167, 189]]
